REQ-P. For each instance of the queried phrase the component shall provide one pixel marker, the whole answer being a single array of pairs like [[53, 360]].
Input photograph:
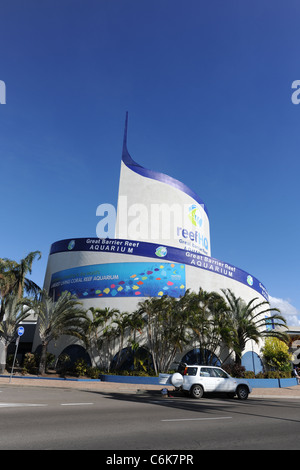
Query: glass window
[[206, 372], [191, 371], [220, 373]]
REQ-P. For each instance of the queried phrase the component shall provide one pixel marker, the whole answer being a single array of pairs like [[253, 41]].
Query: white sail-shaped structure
[[155, 207]]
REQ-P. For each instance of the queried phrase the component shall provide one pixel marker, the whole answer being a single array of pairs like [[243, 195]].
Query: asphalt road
[[33, 418]]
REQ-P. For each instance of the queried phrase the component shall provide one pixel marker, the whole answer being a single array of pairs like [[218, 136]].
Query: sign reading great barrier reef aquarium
[[164, 253], [144, 279]]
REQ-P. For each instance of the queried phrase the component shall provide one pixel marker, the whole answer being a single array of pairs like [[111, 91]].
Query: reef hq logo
[[195, 216], [161, 251], [193, 240], [71, 245]]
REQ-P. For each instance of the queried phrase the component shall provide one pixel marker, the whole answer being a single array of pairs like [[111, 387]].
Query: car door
[[224, 382], [208, 379], [189, 376]]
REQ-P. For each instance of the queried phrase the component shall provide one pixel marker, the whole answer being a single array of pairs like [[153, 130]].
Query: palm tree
[[91, 331], [209, 322], [64, 317], [166, 320], [95, 327], [21, 270], [7, 279], [7, 282], [136, 325], [251, 321], [150, 308], [108, 340], [15, 313], [123, 323], [13, 278], [175, 314]]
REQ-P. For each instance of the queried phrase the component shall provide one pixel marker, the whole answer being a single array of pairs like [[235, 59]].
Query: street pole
[[20, 331], [12, 369]]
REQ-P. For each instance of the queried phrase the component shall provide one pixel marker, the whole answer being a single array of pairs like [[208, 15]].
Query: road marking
[[197, 419], [75, 404], [4, 405], [20, 405]]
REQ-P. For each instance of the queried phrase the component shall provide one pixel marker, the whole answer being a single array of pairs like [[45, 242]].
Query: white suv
[[197, 380]]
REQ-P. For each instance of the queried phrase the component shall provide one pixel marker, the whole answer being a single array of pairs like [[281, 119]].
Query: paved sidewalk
[[111, 387]]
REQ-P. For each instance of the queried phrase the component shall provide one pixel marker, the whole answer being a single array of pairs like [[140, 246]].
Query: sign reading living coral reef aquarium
[[144, 279], [163, 252]]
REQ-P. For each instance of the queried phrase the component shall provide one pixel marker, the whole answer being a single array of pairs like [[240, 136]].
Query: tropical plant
[[136, 324], [7, 279], [15, 314], [13, 278], [21, 270], [122, 325], [165, 324], [95, 333], [64, 317], [210, 323], [7, 282], [276, 354], [252, 321], [107, 344], [29, 363]]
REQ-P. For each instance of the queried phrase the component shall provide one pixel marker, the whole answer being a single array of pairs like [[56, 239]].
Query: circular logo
[[71, 245], [161, 251], [250, 280], [21, 330], [195, 215]]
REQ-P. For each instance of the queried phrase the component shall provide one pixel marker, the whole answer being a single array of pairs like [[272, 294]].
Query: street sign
[[21, 330]]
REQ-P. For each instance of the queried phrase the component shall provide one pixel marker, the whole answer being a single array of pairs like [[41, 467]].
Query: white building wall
[[159, 212], [195, 278]]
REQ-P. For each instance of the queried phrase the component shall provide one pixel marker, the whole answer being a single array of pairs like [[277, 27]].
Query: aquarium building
[[161, 247]]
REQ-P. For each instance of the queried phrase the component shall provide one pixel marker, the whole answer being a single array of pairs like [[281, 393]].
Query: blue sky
[[208, 89]]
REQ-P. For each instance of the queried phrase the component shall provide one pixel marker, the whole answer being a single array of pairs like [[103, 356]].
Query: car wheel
[[242, 392], [197, 391]]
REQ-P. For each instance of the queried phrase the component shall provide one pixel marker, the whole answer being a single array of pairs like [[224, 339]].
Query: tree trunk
[[3, 357], [43, 360], [238, 359]]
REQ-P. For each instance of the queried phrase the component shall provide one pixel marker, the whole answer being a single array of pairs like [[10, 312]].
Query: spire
[[125, 132], [125, 154]]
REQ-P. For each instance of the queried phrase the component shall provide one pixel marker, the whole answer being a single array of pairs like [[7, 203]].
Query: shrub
[[93, 372], [278, 374], [10, 360], [63, 364], [80, 367], [50, 360], [249, 374], [50, 364], [29, 364], [276, 354], [260, 375], [235, 370]]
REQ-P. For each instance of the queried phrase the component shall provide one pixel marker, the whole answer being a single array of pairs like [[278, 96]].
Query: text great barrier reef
[[163, 252]]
